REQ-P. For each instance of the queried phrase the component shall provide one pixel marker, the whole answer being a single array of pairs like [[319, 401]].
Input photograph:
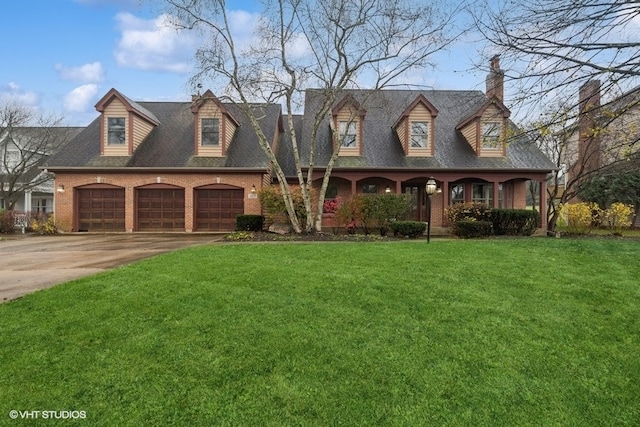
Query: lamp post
[[430, 188]]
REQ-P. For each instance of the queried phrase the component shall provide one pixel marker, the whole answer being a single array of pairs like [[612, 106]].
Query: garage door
[[100, 209], [160, 209], [216, 209]]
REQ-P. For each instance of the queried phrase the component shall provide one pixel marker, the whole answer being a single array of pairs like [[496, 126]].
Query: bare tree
[[299, 44], [600, 142], [555, 46], [26, 140], [555, 49]]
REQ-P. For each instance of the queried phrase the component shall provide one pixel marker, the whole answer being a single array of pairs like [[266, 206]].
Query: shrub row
[[249, 222], [469, 228], [372, 211], [478, 220], [408, 228], [514, 222]]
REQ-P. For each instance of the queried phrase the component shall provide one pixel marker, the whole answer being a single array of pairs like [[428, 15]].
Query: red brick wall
[[64, 201], [520, 194]]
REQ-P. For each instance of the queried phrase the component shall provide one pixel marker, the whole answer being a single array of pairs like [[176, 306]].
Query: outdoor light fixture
[[387, 190], [430, 189], [60, 188], [253, 189]]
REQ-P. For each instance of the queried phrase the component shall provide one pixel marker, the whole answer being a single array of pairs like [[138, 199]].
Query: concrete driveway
[[29, 262]]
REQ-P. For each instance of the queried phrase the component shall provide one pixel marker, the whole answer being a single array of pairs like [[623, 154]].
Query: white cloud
[[11, 93], [81, 98], [89, 73], [153, 44]]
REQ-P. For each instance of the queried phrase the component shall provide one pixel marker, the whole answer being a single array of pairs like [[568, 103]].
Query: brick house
[[193, 166], [604, 139]]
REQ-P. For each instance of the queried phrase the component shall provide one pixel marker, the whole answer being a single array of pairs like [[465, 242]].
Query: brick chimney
[[589, 96], [495, 79], [588, 111]]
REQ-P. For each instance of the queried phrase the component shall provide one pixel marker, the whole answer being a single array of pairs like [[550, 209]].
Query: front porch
[[497, 190]]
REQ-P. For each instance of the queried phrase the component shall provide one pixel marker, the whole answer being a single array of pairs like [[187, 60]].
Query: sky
[[62, 56]]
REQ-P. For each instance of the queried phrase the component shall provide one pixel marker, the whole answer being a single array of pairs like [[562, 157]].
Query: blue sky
[[62, 56]]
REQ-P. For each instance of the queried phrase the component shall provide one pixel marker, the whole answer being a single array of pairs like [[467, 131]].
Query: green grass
[[535, 331]]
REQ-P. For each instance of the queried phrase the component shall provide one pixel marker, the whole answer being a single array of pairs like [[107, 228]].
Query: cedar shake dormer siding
[[349, 112], [492, 112], [419, 111], [138, 123], [208, 107]]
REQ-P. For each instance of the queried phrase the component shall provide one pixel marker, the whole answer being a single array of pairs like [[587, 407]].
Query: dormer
[[348, 119], [214, 125], [486, 129], [416, 128], [124, 124]]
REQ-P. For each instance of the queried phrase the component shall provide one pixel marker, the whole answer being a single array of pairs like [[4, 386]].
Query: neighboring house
[[194, 166], [606, 138], [24, 186]]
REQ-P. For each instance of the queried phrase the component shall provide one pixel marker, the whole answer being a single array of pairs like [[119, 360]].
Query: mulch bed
[[312, 237]]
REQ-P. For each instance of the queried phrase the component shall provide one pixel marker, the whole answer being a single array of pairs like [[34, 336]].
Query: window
[[347, 134], [419, 134], [491, 135], [41, 206], [370, 189], [482, 193], [210, 129], [332, 192], [116, 130], [457, 193]]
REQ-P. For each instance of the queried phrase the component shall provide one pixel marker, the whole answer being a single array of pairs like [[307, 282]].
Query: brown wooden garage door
[[100, 209], [160, 209], [216, 209]]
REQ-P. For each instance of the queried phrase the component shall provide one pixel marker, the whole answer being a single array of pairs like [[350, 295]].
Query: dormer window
[[347, 126], [116, 134], [484, 129], [491, 135], [124, 125], [419, 134], [210, 131], [215, 127], [415, 128], [348, 132]]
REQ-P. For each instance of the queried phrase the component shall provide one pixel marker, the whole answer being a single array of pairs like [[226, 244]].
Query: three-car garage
[[158, 208]]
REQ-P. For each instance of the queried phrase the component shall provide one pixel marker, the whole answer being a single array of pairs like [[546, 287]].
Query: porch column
[[27, 201], [446, 200], [398, 187], [542, 186], [354, 188], [496, 194]]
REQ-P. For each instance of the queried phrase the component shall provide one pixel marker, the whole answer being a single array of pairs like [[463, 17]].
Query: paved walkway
[[30, 262]]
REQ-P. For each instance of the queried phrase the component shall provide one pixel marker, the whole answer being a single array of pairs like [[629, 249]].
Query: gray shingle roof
[[382, 149], [171, 144]]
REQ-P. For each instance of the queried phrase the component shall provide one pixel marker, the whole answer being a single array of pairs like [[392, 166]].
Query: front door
[[418, 201]]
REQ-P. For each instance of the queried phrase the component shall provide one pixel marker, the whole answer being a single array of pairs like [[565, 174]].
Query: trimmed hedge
[[408, 228], [514, 222], [249, 222], [471, 228]]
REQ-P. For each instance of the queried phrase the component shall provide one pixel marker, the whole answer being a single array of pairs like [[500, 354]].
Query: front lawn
[[534, 331]]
